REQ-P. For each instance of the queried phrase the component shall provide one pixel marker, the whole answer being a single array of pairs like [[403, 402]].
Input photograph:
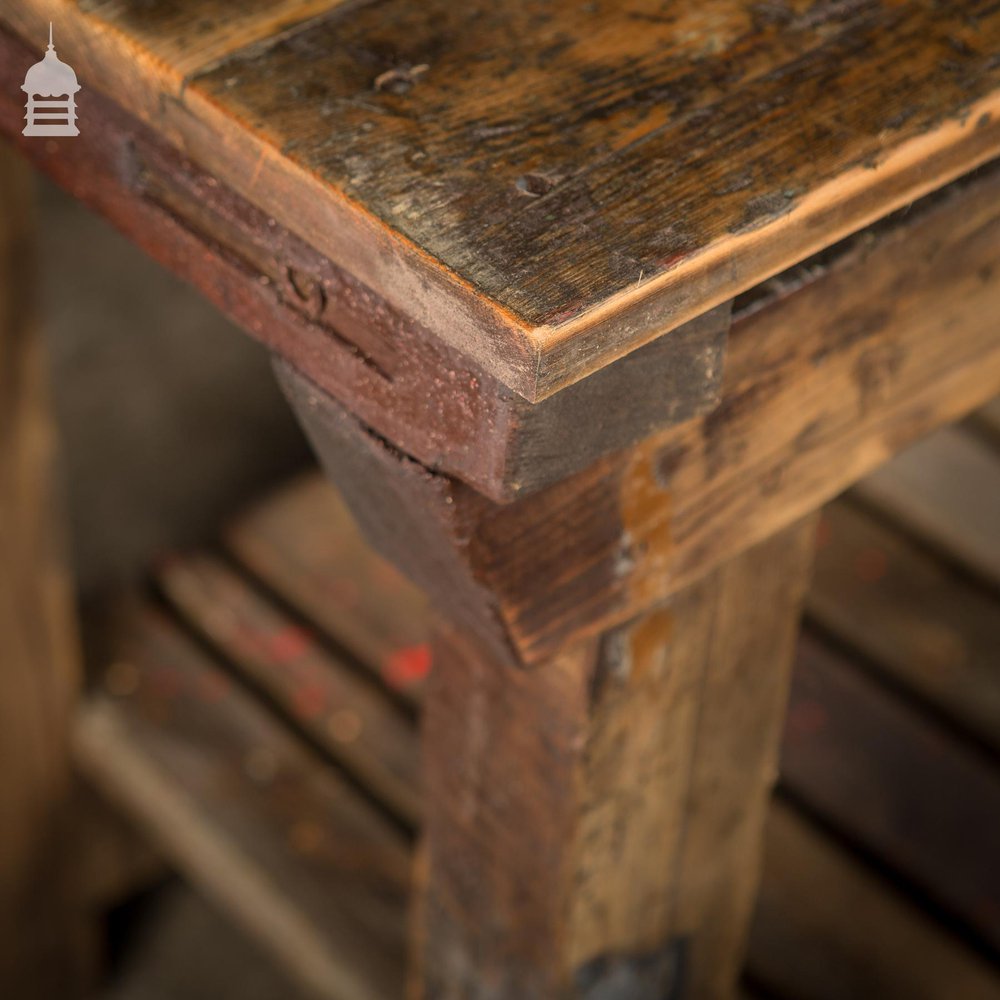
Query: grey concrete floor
[[169, 420]]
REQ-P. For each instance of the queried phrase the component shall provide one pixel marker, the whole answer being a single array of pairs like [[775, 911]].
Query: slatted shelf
[[245, 705]]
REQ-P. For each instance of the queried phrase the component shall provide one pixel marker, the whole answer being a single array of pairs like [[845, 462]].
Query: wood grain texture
[[547, 189], [434, 402], [594, 824], [921, 624], [827, 928], [896, 338], [245, 810], [39, 666], [344, 713], [916, 798]]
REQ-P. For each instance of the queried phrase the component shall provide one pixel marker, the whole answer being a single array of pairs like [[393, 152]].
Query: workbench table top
[[546, 186]]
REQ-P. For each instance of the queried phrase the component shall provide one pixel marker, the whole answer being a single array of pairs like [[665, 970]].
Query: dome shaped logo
[[51, 87]]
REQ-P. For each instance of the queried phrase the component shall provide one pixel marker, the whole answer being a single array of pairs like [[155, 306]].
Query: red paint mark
[[672, 260], [408, 665], [824, 533], [288, 643], [310, 701], [806, 718], [871, 565]]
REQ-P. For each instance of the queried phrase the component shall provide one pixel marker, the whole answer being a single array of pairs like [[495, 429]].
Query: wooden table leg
[[594, 822], [595, 790], [39, 672]]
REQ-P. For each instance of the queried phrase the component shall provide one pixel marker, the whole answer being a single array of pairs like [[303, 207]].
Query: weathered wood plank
[[39, 665], [433, 402], [302, 542], [285, 846], [889, 779], [345, 713], [548, 205], [947, 489], [928, 628], [828, 929], [596, 822], [820, 387]]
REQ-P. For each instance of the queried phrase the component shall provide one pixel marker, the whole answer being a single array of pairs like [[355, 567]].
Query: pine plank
[[344, 712], [285, 846], [546, 190], [929, 628], [947, 489]]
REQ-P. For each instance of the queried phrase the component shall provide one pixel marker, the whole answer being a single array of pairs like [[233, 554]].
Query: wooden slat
[[345, 713], [947, 489], [547, 189], [289, 850], [827, 929], [303, 543], [932, 630], [878, 771]]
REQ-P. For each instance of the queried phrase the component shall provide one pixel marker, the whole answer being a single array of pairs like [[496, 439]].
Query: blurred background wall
[[169, 420]]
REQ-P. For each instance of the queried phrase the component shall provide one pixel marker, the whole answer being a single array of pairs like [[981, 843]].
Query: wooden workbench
[[586, 308]]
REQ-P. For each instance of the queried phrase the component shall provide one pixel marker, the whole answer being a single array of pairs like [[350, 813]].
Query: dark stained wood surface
[[546, 188]]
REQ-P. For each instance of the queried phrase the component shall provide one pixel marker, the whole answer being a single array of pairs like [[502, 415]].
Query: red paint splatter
[[408, 665], [871, 565], [288, 643]]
